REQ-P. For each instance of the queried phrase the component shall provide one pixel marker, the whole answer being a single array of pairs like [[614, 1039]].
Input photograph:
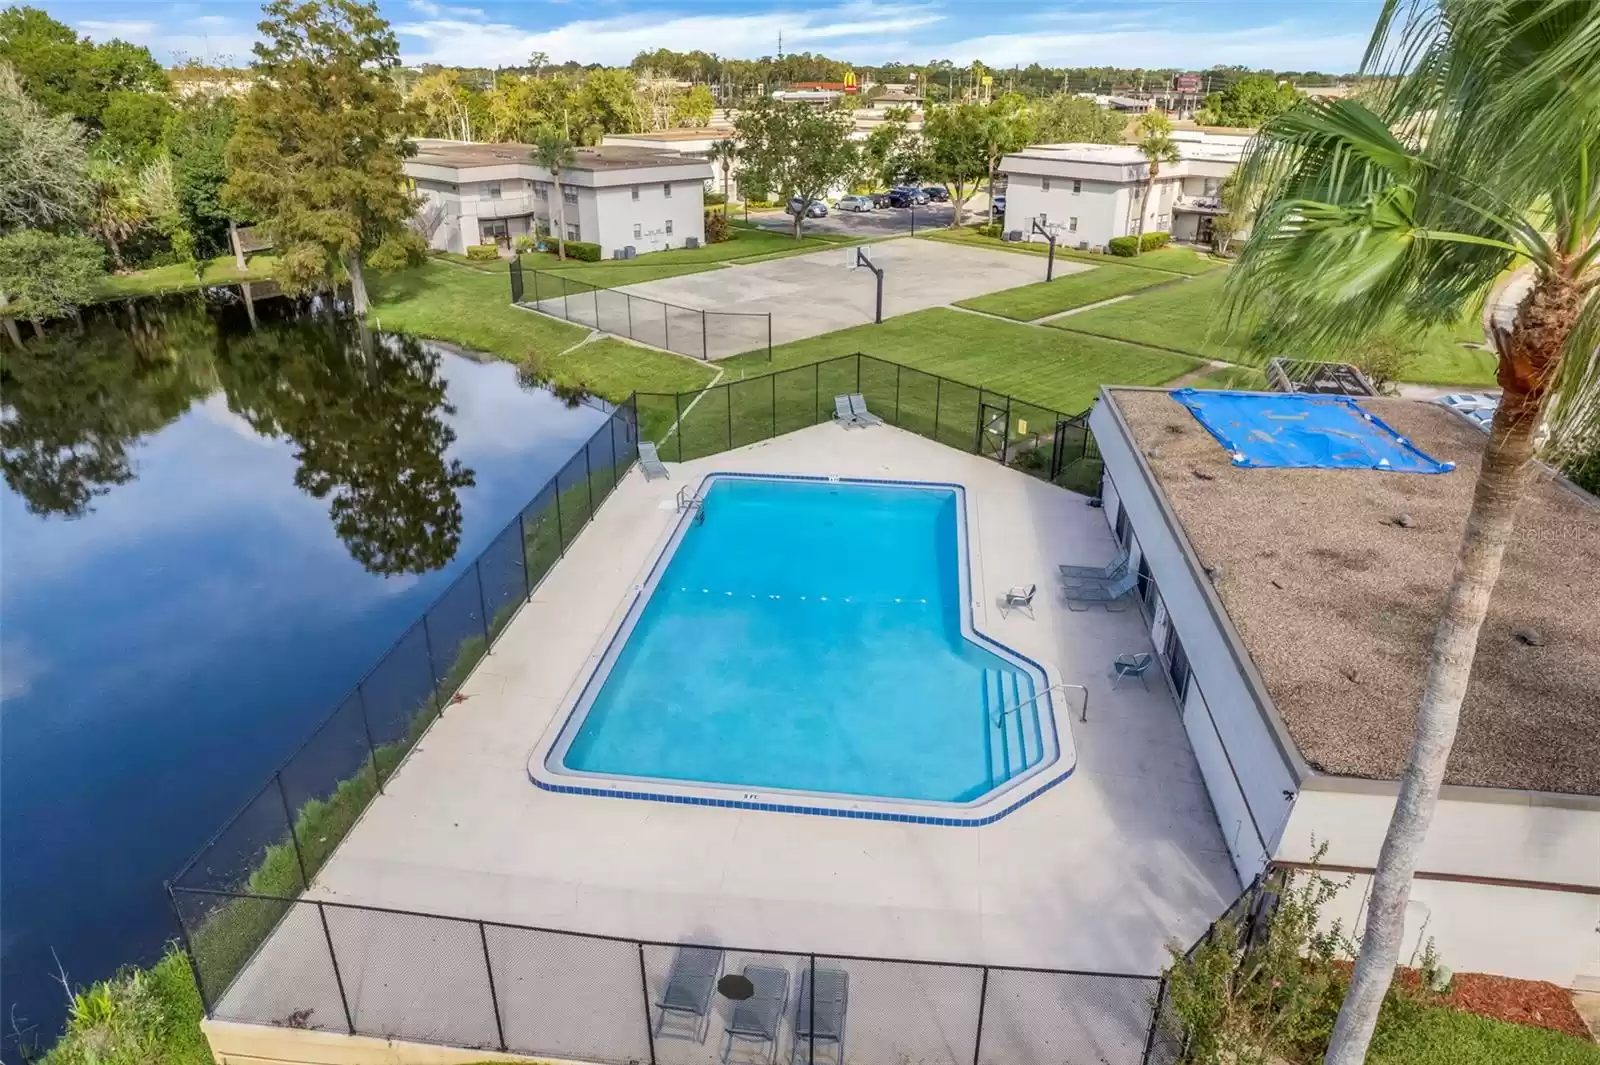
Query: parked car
[[816, 209], [855, 203], [1465, 401], [907, 197], [937, 193], [881, 199], [999, 207]]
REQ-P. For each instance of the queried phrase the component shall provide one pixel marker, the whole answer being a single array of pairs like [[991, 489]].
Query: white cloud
[[455, 40], [212, 39]]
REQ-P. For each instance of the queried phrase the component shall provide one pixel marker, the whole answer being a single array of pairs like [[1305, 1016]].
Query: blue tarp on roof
[[1299, 430]]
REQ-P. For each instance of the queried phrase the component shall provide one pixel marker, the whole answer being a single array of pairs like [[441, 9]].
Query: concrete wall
[[1551, 934], [1248, 772], [619, 213], [257, 1044], [1100, 208]]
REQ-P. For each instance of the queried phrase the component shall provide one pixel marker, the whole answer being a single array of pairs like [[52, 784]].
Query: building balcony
[[1199, 204], [503, 206]]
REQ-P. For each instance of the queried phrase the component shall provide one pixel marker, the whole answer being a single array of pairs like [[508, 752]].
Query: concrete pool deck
[[1096, 874]]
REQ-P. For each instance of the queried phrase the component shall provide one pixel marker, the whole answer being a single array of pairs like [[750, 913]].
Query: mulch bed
[[1531, 1002]]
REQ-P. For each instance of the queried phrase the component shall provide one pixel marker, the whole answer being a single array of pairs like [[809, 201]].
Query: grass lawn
[[1449, 1037], [1241, 378], [443, 302], [179, 276], [1170, 260], [1023, 361], [1181, 317], [1065, 292]]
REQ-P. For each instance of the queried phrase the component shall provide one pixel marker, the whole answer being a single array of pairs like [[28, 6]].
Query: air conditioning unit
[[692, 242], [1083, 245], [629, 252], [1015, 234], [619, 253]]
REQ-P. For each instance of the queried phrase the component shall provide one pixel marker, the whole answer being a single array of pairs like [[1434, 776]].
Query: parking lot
[[808, 295], [883, 222]]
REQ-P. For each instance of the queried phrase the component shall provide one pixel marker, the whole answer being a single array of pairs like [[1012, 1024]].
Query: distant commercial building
[[615, 196], [1089, 193], [689, 144]]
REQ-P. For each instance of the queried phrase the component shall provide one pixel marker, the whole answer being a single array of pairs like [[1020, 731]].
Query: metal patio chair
[[686, 1002], [1081, 595], [843, 414], [1132, 665], [858, 407], [650, 461], [819, 1026], [756, 1019], [1109, 572], [1019, 598]]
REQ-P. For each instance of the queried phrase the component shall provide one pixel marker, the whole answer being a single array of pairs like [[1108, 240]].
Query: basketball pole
[[1050, 267], [863, 260]]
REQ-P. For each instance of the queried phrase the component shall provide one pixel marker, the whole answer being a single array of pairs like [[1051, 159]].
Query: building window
[[1072, 224], [638, 231], [636, 192], [1177, 662], [493, 189], [1120, 530], [569, 196], [572, 231], [669, 227], [541, 190], [1045, 182], [666, 189], [1213, 187], [1077, 186], [1161, 221]]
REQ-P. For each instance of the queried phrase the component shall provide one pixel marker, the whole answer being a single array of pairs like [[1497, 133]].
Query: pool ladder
[[688, 502]]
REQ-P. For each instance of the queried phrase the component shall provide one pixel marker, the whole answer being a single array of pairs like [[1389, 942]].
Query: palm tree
[[1155, 141], [554, 152], [115, 211], [1481, 151], [725, 153]]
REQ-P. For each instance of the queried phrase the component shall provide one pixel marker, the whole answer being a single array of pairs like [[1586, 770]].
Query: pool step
[[1012, 732]]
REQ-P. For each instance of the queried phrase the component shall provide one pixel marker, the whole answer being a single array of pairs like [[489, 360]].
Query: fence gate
[[994, 423], [1058, 451], [516, 280]]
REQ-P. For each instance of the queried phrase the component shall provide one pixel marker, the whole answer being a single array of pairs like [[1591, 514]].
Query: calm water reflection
[[207, 533]]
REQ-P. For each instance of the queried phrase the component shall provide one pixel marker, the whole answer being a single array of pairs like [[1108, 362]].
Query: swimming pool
[[802, 640]]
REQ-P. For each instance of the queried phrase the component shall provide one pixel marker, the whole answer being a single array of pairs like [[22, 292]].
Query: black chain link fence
[[482, 985], [1039, 441], [699, 333], [236, 889]]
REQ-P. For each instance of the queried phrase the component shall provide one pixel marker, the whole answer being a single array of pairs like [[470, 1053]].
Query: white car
[[855, 203], [1466, 401]]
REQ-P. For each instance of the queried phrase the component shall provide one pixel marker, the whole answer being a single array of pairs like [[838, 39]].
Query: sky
[[1326, 35]]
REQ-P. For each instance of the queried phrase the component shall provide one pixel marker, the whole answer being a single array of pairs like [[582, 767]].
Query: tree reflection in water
[[364, 412]]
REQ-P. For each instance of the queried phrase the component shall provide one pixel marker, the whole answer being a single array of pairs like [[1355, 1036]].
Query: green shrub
[[406, 248], [1155, 240], [1127, 247], [138, 1017], [583, 251], [717, 229], [526, 243], [483, 252], [759, 205], [714, 199], [991, 229]]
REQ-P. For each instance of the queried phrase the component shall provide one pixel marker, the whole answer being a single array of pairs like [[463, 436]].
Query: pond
[[215, 518]]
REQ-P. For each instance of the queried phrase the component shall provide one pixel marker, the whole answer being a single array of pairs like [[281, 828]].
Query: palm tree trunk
[[727, 196], [1144, 205], [358, 284], [38, 328], [561, 218], [1528, 360]]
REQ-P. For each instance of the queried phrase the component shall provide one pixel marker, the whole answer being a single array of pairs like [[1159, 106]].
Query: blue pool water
[[807, 635]]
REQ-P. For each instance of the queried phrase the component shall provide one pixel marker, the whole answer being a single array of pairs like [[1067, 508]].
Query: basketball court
[[808, 295]]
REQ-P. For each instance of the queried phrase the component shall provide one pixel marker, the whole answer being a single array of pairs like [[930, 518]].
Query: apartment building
[[1089, 193], [614, 196]]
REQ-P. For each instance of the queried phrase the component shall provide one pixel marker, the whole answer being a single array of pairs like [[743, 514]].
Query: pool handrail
[[1083, 715]]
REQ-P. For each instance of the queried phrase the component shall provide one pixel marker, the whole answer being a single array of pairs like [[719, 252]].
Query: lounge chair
[[1134, 665], [1109, 572], [843, 414], [1019, 598], [1088, 592], [858, 407], [687, 1000], [833, 1000], [756, 1019], [650, 461]]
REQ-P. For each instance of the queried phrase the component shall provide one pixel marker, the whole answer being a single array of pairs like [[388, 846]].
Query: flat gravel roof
[[1335, 579]]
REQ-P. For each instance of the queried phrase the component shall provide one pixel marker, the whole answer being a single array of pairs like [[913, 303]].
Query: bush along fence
[[701, 334], [1042, 442], [234, 891]]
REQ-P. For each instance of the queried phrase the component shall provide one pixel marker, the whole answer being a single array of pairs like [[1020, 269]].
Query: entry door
[[497, 231], [1205, 232]]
